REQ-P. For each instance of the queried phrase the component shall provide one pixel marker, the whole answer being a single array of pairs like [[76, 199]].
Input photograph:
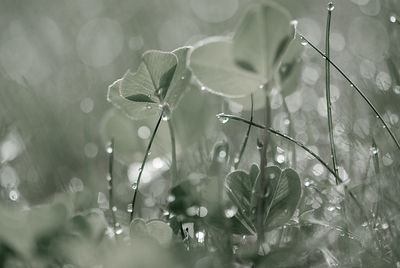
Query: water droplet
[[261, 86], [114, 208], [222, 118], [13, 195], [166, 112], [149, 153], [203, 212], [303, 41], [221, 155], [259, 144], [203, 88], [148, 106], [374, 150], [351, 85], [171, 198], [384, 226], [280, 158], [118, 231], [108, 178], [182, 78], [236, 159], [331, 6], [129, 208], [109, 149], [200, 237], [393, 19], [230, 212], [330, 208], [134, 186], [192, 211], [396, 89], [144, 132]]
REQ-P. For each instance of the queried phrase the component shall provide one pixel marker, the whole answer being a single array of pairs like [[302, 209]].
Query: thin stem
[[328, 94], [174, 172], [291, 133], [277, 132], [143, 164], [301, 145], [246, 138], [261, 181], [110, 151], [352, 85]]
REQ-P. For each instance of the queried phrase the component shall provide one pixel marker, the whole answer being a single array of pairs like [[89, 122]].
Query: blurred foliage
[[57, 59]]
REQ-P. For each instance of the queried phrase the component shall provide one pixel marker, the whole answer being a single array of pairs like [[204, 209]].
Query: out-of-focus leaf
[[235, 68], [131, 136], [214, 67], [291, 68], [155, 229], [262, 38]]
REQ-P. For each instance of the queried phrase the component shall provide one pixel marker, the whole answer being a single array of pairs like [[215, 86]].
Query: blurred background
[[57, 59]]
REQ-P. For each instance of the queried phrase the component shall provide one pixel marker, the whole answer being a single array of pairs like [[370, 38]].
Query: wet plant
[[249, 187]]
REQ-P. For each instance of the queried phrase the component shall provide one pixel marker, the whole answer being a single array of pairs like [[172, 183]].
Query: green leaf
[[262, 38], [181, 79], [214, 67], [237, 67], [239, 186], [291, 68], [154, 229], [153, 76], [136, 111], [285, 192], [140, 98]]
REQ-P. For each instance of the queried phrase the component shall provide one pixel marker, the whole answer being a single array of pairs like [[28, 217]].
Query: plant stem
[[352, 85], [143, 164], [261, 181], [174, 172], [277, 132], [291, 133], [328, 94], [246, 138], [110, 151]]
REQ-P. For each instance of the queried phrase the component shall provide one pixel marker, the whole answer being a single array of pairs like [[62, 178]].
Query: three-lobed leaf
[[162, 77], [283, 192], [237, 67]]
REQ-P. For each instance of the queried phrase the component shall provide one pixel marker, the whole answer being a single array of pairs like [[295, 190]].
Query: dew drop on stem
[[222, 118], [331, 6], [134, 186], [303, 41], [393, 19]]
